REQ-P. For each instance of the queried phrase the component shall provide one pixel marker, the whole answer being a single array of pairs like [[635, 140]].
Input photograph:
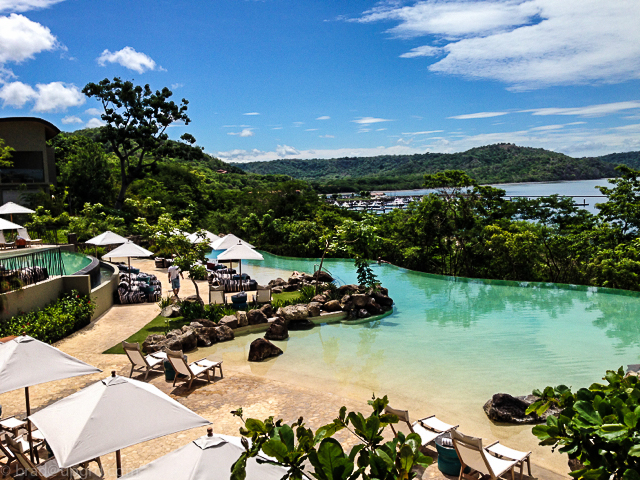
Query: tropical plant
[[366, 277], [295, 446], [598, 426]]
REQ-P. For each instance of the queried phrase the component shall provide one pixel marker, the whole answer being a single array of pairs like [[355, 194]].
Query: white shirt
[[173, 272]]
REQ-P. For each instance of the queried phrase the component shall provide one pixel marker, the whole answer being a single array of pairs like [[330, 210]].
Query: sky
[[274, 79]]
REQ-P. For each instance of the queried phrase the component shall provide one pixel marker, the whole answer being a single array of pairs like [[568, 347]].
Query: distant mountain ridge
[[499, 163]]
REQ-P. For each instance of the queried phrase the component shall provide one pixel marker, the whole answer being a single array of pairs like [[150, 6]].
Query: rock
[[347, 306], [174, 333], [323, 276], [359, 300], [383, 299], [188, 340], [276, 290], [267, 309], [293, 312], [278, 282], [372, 307], [151, 343], [314, 309], [261, 349], [295, 280], [256, 317], [574, 464], [347, 289], [290, 288], [224, 333], [206, 322], [503, 407], [230, 321], [192, 299], [203, 340], [243, 320], [332, 306], [319, 299], [301, 325], [277, 331], [171, 344], [362, 313], [196, 325], [345, 299], [210, 333], [171, 311]]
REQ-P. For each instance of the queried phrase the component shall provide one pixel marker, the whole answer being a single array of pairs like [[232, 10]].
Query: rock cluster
[[297, 281], [201, 333], [505, 408]]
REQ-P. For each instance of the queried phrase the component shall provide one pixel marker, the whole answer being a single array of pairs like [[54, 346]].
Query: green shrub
[[198, 272], [193, 311], [69, 313]]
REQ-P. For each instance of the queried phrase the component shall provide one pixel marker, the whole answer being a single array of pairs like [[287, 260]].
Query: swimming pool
[[450, 344]]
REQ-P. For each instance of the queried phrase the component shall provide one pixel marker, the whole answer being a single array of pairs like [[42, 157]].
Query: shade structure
[[25, 361], [109, 415], [239, 252], [207, 458], [208, 237], [107, 238], [129, 250], [228, 241], [11, 208], [7, 225]]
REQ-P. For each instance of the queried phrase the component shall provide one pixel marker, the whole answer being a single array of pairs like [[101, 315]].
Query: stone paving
[[259, 398]]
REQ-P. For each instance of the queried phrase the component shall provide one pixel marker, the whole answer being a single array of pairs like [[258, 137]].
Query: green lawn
[[154, 327], [286, 295]]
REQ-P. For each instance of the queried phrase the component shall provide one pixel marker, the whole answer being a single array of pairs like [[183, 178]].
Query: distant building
[[221, 171], [34, 163]]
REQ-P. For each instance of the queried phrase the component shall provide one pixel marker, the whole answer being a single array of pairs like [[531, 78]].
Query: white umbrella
[[228, 241], [109, 415], [207, 458], [208, 237], [128, 250], [107, 238], [7, 225], [239, 252], [25, 361], [10, 208]]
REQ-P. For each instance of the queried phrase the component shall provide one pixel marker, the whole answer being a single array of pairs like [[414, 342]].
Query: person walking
[[174, 274]]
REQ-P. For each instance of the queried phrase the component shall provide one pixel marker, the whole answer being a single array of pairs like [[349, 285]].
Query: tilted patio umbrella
[[25, 361], [208, 458], [228, 241], [110, 415], [208, 237], [128, 250], [7, 225], [107, 238], [239, 252], [11, 208]]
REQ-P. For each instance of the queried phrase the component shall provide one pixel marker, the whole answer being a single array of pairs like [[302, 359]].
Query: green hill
[[500, 163]]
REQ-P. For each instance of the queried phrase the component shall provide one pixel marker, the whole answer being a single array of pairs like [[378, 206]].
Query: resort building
[[34, 163]]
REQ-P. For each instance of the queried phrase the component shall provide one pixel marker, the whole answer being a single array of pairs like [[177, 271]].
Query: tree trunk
[[321, 262], [195, 285]]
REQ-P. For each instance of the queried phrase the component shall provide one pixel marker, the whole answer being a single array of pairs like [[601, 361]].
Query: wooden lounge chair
[[263, 295], [192, 370], [143, 363], [22, 232], [4, 243], [428, 428], [520, 458], [473, 455]]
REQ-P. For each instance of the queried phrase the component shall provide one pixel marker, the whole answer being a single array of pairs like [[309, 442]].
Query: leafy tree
[[366, 277], [5, 154], [598, 426], [94, 220], [623, 203], [292, 446], [136, 123]]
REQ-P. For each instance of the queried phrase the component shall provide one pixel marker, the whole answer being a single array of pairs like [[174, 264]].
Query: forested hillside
[[500, 163]]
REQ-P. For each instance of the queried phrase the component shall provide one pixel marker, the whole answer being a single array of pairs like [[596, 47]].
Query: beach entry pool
[[450, 344]]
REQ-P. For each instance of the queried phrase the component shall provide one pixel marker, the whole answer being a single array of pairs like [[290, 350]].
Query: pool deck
[[259, 397]]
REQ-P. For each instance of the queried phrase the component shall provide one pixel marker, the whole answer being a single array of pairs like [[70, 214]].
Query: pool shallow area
[[74, 262], [450, 344]]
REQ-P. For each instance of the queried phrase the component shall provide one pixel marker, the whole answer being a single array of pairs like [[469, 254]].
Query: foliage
[[136, 123], [198, 272], [5, 154], [165, 302], [55, 321], [598, 426], [307, 292], [292, 446], [94, 220], [366, 277], [194, 311]]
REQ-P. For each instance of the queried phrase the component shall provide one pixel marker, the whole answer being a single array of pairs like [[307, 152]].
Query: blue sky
[[318, 79]]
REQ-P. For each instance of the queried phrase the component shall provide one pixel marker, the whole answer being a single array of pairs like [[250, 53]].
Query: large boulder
[[261, 349], [305, 324], [210, 333], [206, 322], [332, 306], [171, 311], [348, 289], [188, 340], [173, 343], [314, 309], [363, 313], [230, 321], [203, 340], [192, 299], [243, 320], [359, 300], [278, 282], [372, 307], [267, 309], [290, 287], [152, 343], [382, 299], [505, 408], [295, 280], [256, 317], [224, 333], [319, 299], [345, 299], [277, 331], [323, 277], [292, 313], [276, 290]]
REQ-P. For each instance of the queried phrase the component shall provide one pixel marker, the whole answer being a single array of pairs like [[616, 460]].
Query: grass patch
[[154, 327], [285, 296]]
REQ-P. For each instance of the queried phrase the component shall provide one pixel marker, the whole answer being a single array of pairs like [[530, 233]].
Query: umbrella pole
[[129, 258], [29, 437], [118, 464]]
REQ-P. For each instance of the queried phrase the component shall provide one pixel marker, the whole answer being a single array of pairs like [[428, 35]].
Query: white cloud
[[380, 129], [251, 113], [175, 86], [25, 5], [94, 123], [311, 129], [71, 119], [16, 94], [57, 96], [246, 132], [545, 128], [369, 120], [298, 124], [128, 58], [423, 51], [326, 136], [285, 151], [276, 128], [324, 117], [21, 39], [93, 111], [588, 111], [524, 43], [479, 115], [423, 133]]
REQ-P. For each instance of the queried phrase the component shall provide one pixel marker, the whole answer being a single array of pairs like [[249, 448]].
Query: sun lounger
[[4, 243], [428, 428], [22, 232], [192, 370], [478, 459], [140, 362], [520, 458]]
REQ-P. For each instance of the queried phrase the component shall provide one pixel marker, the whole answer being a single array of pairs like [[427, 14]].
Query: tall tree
[[136, 123]]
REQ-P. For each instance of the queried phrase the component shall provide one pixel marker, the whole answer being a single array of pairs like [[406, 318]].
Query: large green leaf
[[630, 474], [275, 448], [634, 451], [330, 462], [587, 412], [287, 436], [255, 426]]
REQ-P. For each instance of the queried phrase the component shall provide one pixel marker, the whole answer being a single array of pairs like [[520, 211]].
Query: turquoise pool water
[[74, 262], [450, 344]]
